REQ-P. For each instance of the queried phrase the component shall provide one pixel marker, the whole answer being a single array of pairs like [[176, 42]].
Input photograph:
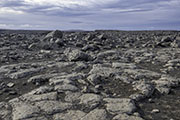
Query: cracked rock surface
[[89, 75]]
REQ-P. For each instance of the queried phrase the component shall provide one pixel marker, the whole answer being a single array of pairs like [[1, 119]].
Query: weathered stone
[[12, 92], [58, 80], [94, 79], [90, 47], [37, 118], [24, 73], [105, 54], [127, 117], [80, 66], [10, 85], [33, 46], [89, 37], [97, 114], [155, 111], [77, 55], [120, 105], [137, 96], [140, 74], [70, 115], [145, 88], [41, 97], [52, 107], [59, 42], [90, 100], [176, 43], [54, 34], [72, 96], [39, 79], [65, 87], [24, 110], [103, 71], [123, 65], [5, 112], [165, 83]]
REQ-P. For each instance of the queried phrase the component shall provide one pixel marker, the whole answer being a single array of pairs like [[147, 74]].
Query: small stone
[[10, 85], [12, 93], [114, 94], [85, 89], [155, 111], [99, 87], [37, 84], [82, 81], [1, 92], [150, 100]]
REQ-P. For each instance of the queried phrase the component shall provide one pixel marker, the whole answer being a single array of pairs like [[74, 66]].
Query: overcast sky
[[90, 14]]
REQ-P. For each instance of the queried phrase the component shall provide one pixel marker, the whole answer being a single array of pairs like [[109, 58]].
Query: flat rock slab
[[90, 100], [65, 87], [41, 97], [97, 114], [69, 115], [52, 107], [24, 111], [126, 117], [120, 105]]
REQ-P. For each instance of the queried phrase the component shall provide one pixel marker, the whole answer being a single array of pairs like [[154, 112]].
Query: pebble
[[150, 100], [10, 85], [12, 93], [99, 87], [155, 111]]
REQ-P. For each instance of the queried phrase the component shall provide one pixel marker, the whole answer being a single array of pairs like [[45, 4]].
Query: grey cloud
[[122, 14], [12, 3], [77, 22]]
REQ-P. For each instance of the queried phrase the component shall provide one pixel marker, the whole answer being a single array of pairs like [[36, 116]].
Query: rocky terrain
[[89, 75]]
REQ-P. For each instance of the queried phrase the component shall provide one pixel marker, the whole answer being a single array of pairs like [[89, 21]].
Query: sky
[[90, 14]]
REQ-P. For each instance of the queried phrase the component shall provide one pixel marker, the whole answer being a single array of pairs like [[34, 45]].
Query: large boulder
[[54, 34]]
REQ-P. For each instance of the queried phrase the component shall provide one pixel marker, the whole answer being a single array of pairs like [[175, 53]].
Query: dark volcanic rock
[[89, 75], [77, 55], [54, 34]]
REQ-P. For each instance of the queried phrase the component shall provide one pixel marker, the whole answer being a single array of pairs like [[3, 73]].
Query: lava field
[[89, 75]]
